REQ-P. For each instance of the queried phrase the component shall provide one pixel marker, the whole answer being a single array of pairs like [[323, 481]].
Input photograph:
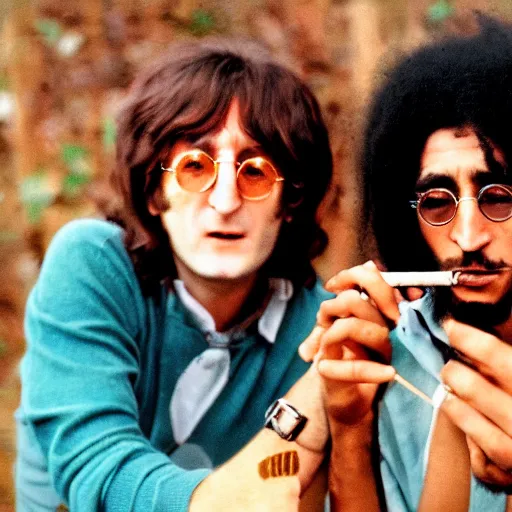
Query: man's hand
[[481, 402], [351, 342], [350, 346]]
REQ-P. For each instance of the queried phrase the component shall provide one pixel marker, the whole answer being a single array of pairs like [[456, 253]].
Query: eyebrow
[[479, 177], [434, 180], [205, 144]]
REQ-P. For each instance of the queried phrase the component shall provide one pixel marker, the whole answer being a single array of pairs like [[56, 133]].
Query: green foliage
[[49, 29], [73, 183], [36, 192], [202, 22], [4, 81], [109, 134], [440, 11], [36, 195], [8, 236], [75, 158]]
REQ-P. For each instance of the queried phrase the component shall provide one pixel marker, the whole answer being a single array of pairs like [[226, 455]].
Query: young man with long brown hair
[[158, 340]]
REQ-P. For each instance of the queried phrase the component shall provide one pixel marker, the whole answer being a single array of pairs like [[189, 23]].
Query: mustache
[[473, 258]]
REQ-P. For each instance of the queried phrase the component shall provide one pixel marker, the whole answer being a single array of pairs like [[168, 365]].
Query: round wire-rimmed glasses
[[438, 206], [196, 171]]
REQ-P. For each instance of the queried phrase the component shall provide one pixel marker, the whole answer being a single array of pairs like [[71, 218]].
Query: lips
[[476, 278], [226, 235]]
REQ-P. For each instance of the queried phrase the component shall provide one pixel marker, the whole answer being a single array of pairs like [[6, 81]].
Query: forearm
[[352, 483], [306, 396], [238, 483], [115, 471]]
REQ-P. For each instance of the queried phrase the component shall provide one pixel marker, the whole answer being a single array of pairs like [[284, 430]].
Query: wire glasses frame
[[196, 171], [438, 206]]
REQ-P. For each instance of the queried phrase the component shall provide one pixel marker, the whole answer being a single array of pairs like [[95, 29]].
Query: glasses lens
[[495, 202], [256, 177], [437, 207], [195, 171]]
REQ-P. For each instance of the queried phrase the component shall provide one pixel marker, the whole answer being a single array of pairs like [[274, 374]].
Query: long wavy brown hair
[[187, 94]]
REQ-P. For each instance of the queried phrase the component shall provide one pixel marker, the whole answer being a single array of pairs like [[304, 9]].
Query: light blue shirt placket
[[406, 422]]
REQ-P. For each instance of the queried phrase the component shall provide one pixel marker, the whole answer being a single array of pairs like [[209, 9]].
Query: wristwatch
[[285, 420]]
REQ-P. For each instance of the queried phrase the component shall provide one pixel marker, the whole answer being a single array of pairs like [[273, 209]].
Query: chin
[[222, 268], [484, 312], [474, 298], [222, 275]]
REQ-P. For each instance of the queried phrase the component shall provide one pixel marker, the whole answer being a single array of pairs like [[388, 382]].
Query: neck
[[228, 301]]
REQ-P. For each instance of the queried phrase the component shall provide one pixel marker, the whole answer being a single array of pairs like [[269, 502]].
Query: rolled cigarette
[[440, 278]]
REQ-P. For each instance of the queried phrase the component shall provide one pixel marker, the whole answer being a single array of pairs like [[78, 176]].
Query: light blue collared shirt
[[406, 422]]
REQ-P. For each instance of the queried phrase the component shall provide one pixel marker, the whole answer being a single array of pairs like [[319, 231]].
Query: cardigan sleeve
[[83, 321]]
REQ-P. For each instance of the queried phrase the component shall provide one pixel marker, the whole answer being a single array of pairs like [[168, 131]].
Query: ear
[[152, 209], [156, 202]]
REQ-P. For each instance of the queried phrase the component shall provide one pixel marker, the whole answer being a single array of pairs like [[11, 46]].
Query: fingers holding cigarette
[[311, 345], [358, 371], [397, 279], [368, 278], [345, 305], [355, 332]]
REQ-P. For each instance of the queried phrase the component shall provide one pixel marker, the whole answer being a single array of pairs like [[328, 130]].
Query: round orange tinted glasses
[[196, 171]]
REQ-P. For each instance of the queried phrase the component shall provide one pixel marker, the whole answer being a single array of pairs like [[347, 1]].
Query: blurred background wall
[[65, 66]]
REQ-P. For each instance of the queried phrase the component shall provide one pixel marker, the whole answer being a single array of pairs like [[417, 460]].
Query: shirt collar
[[416, 329], [425, 308], [270, 320]]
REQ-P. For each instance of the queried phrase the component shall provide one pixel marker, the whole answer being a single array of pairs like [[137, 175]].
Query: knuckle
[[332, 308], [323, 307], [488, 349], [335, 334], [352, 296], [479, 466], [498, 451], [506, 454], [353, 329], [499, 359], [480, 471], [340, 324], [324, 312], [369, 331], [492, 450], [464, 381]]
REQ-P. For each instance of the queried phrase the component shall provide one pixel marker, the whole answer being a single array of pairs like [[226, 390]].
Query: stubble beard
[[484, 316]]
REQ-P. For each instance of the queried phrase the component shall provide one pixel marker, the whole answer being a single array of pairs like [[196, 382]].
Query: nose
[[470, 230], [225, 197]]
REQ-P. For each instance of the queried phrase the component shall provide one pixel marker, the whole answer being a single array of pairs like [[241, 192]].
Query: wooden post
[[26, 73], [93, 15]]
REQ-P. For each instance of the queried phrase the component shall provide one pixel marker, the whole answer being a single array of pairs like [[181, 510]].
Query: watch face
[[286, 421]]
